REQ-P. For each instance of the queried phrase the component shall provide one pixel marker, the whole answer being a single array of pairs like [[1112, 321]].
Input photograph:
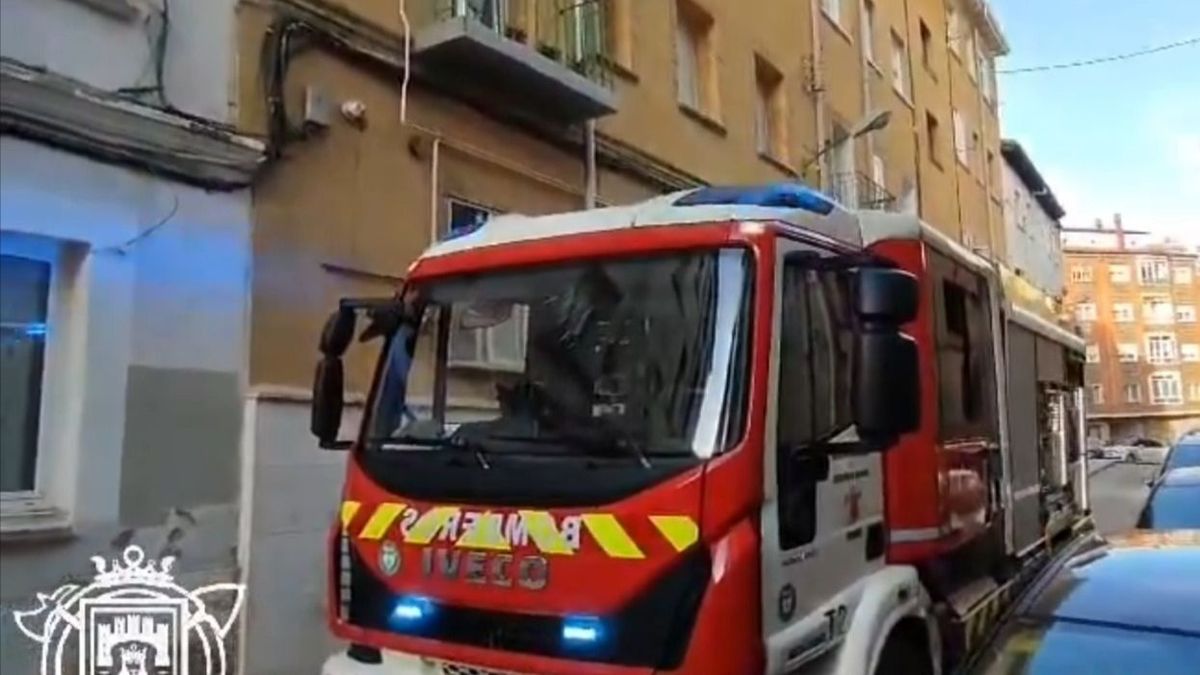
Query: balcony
[[857, 191], [541, 58]]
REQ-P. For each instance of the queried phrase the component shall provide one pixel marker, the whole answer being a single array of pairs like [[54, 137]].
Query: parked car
[[1185, 453], [1125, 604], [1138, 450], [1174, 502]]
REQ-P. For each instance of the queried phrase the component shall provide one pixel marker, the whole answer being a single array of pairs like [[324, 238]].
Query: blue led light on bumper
[[582, 630], [411, 611], [777, 195]]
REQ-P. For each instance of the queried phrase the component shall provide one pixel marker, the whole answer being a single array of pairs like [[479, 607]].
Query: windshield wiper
[[611, 437], [449, 442]]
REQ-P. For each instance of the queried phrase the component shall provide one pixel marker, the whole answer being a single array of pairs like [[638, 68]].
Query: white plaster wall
[[290, 491], [1035, 245], [70, 38], [175, 299]]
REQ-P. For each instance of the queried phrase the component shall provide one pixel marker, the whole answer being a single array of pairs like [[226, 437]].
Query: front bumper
[[398, 663]]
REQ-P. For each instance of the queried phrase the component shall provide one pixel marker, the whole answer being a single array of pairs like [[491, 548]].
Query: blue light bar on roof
[[777, 195]]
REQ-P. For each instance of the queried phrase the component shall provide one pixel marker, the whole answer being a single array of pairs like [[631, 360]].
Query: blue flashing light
[[35, 330], [410, 610], [582, 630], [777, 195]]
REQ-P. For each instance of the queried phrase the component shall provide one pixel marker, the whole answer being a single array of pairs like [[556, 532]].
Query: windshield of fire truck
[[642, 356]]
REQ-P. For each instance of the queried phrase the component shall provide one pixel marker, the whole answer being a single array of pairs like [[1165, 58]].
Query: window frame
[[770, 111], [1128, 352], [868, 31], [1092, 353], [1096, 394], [1159, 268], [1166, 356], [1185, 313], [1080, 313], [899, 66], [1182, 275], [1124, 277], [1136, 390], [960, 137], [1189, 352], [52, 252], [1081, 274], [1123, 312], [1168, 376], [694, 37]]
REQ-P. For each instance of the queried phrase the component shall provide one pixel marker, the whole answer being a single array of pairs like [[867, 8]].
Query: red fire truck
[[727, 430]]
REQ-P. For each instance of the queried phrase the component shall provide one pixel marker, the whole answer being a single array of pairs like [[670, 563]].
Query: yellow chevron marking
[[429, 524], [544, 533], [611, 536], [348, 511], [680, 531], [485, 533], [385, 514]]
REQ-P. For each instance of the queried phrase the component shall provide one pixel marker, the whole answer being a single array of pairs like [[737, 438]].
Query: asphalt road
[[1118, 492]]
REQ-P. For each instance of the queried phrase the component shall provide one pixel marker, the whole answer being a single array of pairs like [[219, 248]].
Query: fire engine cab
[[726, 430]]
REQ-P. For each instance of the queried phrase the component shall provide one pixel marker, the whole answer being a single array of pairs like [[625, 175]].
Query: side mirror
[[338, 332], [328, 402], [328, 393], [887, 386], [885, 295]]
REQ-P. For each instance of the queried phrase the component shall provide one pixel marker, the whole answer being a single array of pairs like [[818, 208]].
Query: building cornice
[[56, 110]]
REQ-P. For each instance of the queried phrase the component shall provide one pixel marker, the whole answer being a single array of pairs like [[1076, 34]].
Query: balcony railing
[[546, 56], [857, 191]]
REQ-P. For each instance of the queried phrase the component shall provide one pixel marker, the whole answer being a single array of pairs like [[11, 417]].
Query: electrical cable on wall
[[1102, 59], [122, 249]]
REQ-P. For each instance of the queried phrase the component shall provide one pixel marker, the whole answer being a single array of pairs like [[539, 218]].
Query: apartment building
[[1031, 222], [124, 265], [379, 145], [1135, 297]]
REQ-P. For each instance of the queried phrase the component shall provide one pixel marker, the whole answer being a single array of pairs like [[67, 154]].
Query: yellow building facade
[[370, 164]]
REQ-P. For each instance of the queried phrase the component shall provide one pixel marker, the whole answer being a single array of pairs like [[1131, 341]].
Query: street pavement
[[1118, 490]]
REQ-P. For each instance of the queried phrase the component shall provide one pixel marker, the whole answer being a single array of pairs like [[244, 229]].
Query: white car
[[1141, 450]]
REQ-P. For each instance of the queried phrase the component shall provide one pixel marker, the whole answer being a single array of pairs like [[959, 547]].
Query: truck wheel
[[901, 656]]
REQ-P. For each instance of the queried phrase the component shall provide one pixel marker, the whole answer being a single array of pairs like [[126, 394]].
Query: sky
[[1114, 137]]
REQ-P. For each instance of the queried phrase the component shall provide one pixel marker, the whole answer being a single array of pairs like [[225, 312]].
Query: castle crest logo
[[133, 619]]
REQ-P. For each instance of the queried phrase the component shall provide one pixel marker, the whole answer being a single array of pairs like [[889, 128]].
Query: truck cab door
[[822, 518]]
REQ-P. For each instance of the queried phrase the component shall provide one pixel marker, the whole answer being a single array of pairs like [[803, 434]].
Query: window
[[878, 171], [964, 353], [814, 388], [24, 312], [695, 59], [960, 137], [1127, 352], [971, 57], [1160, 348], [954, 28], [1183, 275], [833, 10], [926, 46], [1081, 274], [466, 217], [868, 31], [1157, 309], [899, 65], [490, 13], [585, 33], [1123, 312], [1153, 271], [1133, 393], [1085, 311], [1190, 353], [1185, 314], [1093, 354], [1097, 392], [1119, 274], [770, 111], [494, 346], [1194, 391], [931, 138], [988, 76], [1166, 388]]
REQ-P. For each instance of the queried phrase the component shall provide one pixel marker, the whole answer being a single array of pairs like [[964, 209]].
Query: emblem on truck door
[[389, 558]]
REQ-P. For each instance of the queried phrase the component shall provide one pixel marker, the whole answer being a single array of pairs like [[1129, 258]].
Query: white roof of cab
[[840, 225]]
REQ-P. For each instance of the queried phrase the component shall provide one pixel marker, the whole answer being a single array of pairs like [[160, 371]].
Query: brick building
[[1135, 298]]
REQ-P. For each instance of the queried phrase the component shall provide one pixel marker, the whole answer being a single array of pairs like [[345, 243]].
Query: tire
[[902, 656]]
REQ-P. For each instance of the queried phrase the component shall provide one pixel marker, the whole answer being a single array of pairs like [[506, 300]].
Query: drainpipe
[[818, 84], [589, 163], [866, 80], [434, 189]]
